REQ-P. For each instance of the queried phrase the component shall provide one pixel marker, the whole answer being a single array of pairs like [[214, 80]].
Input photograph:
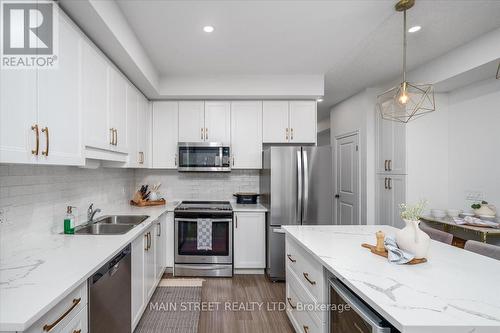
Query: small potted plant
[[411, 238], [484, 209]]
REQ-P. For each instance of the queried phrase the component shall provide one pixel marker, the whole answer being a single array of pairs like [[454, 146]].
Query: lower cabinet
[[169, 237], [249, 240], [391, 194], [306, 285], [160, 246]]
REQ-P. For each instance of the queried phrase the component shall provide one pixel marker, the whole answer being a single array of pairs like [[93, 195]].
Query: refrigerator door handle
[[299, 186], [305, 178]]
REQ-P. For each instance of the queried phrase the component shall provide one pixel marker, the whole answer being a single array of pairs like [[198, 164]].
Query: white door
[[95, 99], [132, 130], [169, 233], [303, 122], [246, 134], [137, 279], [118, 109], [218, 121], [347, 164], [18, 114], [165, 134], [275, 127], [191, 121], [59, 104], [249, 240]]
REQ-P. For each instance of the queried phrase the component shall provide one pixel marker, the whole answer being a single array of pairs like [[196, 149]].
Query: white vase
[[413, 240]]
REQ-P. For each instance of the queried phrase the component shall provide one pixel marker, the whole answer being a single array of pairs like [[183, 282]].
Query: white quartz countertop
[[455, 291], [37, 271], [248, 207]]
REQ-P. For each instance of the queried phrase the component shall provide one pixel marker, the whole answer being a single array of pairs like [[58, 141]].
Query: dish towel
[[474, 221], [394, 254], [204, 241]]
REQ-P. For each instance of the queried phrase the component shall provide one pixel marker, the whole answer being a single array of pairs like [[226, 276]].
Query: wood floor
[[239, 310]]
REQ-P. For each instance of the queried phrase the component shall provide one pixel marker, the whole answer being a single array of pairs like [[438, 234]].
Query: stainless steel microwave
[[204, 156]]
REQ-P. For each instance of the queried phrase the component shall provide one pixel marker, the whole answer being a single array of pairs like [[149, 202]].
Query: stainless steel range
[[203, 239]]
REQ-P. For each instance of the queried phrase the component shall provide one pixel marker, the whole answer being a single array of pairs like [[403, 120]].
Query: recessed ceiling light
[[208, 28], [414, 29], [319, 100]]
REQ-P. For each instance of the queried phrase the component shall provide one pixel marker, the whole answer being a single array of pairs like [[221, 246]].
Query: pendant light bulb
[[403, 96]]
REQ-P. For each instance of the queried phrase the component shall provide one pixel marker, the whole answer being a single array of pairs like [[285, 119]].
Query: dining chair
[[484, 249], [437, 235]]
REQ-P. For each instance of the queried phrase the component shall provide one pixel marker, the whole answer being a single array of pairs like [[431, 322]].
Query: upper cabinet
[[391, 146], [191, 121], [40, 110], [132, 130], [246, 134], [289, 122], [218, 121], [143, 132], [165, 134], [118, 109]]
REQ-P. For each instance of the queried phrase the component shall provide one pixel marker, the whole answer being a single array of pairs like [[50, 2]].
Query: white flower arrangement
[[412, 212]]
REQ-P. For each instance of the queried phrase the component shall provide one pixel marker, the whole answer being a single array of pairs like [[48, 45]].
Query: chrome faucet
[[91, 212]]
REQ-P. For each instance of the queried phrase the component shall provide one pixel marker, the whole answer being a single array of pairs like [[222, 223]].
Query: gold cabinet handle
[[206, 133], [291, 133], [385, 165], [306, 329], [202, 134], [236, 221], [37, 143], [112, 136], [159, 229], [286, 134], [289, 256], [116, 137], [389, 183], [385, 183], [175, 159], [49, 327], [146, 246], [77, 331], [290, 303], [46, 131], [390, 165], [306, 276], [233, 160]]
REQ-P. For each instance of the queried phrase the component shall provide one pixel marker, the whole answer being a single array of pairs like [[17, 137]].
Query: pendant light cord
[[404, 45]]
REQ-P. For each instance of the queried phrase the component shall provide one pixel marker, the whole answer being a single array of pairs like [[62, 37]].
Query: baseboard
[[244, 271]]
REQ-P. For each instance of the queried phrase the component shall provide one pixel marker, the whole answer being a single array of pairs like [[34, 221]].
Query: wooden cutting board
[[384, 253], [144, 203]]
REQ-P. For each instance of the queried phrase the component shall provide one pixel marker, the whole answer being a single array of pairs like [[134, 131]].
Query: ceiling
[[354, 43]]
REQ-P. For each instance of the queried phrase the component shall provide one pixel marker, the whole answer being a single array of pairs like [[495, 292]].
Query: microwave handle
[[358, 307]]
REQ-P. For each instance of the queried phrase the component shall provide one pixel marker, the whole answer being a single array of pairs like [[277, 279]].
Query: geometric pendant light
[[407, 101]]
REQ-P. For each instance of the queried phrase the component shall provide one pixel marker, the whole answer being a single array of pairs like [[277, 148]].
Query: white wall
[[357, 114]]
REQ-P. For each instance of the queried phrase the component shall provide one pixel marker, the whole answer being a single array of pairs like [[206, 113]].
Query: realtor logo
[[28, 36]]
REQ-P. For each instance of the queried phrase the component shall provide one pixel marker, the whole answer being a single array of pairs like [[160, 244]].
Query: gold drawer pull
[[48, 328], [37, 144], [306, 275], [77, 331], [306, 329], [289, 256], [290, 303], [46, 131]]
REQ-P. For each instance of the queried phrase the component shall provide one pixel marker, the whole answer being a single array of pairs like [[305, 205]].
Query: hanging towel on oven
[[204, 234]]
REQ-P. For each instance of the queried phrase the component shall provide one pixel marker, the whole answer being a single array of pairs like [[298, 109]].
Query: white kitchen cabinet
[[303, 121], [95, 99], [249, 240], [246, 134], [391, 146], [118, 110], [160, 246], [191, 121], [40, 110], [169, 259], [143, 132], [132, 105], [275, 122], [149, 262], [218, 121], [391, 194], [137, 279], [165, 126]]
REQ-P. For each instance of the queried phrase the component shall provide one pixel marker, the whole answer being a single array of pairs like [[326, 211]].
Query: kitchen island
[[455, 291]]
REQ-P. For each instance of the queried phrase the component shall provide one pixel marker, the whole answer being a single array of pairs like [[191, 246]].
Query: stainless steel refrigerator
[[296, 187]]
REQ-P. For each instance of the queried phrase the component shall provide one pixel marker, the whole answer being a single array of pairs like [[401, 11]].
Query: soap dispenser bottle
[[69, 221]]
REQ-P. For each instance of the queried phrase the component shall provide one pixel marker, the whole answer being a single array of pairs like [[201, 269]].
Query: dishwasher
[[110, 295]]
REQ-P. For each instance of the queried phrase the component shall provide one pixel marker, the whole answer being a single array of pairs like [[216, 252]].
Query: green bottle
[[69, 221]]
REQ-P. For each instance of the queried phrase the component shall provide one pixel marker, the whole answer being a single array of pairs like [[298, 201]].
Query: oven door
[[349, 314], [206, 156], [186, 242]]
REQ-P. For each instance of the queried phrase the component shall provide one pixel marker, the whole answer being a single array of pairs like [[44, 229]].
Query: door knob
[[337, 196]]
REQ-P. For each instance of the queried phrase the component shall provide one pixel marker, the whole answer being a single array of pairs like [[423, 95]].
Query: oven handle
[[200, 267], [196, 220], [358, 307]]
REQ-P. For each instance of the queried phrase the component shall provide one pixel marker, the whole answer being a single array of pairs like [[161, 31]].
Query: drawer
[[301, 320], [79, 324], [307, 269], [299, 297], [62, 313]]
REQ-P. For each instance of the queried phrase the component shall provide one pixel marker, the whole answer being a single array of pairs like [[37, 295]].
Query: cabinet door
[[165, 133], [384, 201], [191, 121], [169, 233], [218, 122], [275, 122], [59, 104], [397, 187], [160, 246], [18, 113], [137, 279], [95, 99], [149, 263], [249, 240], [303, 122], [391, 146], [143, 132], [398, 161], [118, 109], [246, 134], [132, 126]]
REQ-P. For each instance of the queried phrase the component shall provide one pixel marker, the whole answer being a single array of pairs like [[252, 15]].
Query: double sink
[[110, 225]]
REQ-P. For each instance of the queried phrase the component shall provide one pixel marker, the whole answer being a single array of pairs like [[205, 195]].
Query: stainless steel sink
[[111, 225], [104, 229], [122, 219]]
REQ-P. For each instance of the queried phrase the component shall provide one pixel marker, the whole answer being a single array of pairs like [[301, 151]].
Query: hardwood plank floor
[[249, 304]]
